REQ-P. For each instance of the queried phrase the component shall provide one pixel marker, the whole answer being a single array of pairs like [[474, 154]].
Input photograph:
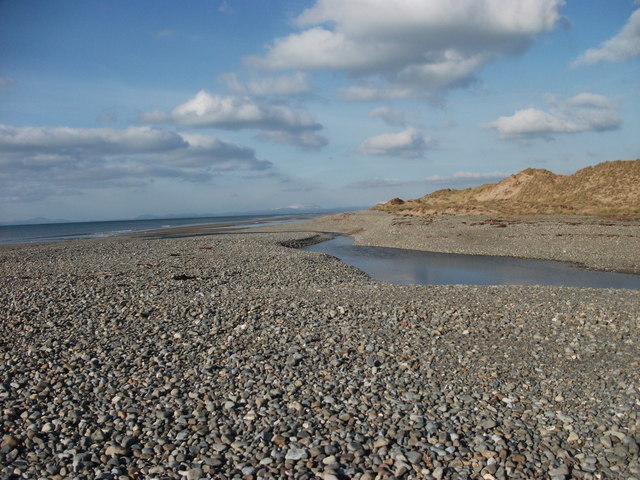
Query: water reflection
[[410, 267]]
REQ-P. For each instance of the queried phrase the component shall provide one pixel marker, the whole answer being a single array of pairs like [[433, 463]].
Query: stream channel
[[413, 267]]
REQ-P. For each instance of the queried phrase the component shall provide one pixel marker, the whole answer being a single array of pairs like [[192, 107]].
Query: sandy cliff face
[[609, 188]]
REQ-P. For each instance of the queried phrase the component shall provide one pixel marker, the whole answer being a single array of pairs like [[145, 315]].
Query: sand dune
[[609, 188]]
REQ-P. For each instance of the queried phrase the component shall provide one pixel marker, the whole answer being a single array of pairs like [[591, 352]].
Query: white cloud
[[623, 46], [409, 143], [584, 112], [233, 113], [530, 122], [358, 93], [587, 99], [391, 116], [282, 86], [304, 140], [278, 122], [79, 158], [79, 140], [414, 45], [451, 69]]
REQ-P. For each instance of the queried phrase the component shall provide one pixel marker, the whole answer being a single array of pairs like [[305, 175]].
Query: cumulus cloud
[[282, 86], [67, 140], [391, 116], [208, 110], [587, 99], [409, 143], [79, 158], [585, 112], [415, 46], [623, 46]]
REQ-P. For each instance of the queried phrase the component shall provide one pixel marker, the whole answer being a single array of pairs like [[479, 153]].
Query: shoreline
[[88, 231], [219, 228], [586, 242]]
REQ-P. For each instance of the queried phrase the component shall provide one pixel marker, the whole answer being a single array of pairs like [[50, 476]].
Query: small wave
[[108, 234]]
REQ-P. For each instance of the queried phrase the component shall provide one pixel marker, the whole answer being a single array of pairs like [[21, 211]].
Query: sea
[[55, 232]]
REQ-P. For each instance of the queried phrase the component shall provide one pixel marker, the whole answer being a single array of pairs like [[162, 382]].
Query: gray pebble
[[114, 369]]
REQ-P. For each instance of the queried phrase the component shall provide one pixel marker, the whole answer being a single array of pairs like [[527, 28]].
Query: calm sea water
[[54, 232], [411, 267]]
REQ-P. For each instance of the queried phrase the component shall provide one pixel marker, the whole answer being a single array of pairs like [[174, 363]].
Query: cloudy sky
[[114, 109]]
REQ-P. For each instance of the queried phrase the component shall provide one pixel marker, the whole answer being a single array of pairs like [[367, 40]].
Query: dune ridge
[[606, 189]]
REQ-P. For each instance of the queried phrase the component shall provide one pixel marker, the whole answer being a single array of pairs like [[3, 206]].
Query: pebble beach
[[237, 355]]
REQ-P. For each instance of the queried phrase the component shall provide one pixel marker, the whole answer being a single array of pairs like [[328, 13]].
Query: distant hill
[[609, 188]]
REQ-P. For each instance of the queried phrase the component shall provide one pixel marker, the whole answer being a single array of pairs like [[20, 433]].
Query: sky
[[116, 109]]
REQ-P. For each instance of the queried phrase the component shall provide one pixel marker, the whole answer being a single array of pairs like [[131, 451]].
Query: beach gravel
[[237, 356], [588, 241]]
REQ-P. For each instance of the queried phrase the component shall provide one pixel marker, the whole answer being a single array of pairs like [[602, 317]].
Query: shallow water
[[411, 267], [55, 232]]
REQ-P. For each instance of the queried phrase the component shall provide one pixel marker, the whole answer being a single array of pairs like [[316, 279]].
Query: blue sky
[[114, 109]]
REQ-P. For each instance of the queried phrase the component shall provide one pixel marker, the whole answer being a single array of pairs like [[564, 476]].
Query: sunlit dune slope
[[609, 188]]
